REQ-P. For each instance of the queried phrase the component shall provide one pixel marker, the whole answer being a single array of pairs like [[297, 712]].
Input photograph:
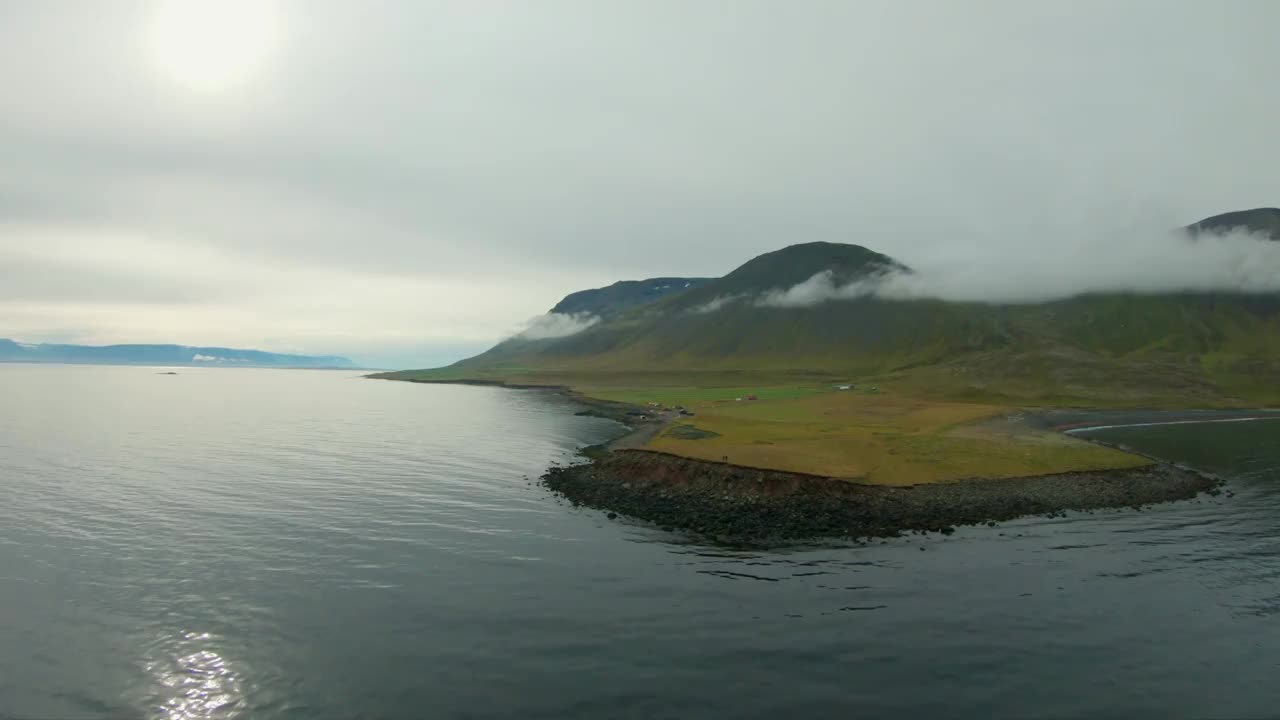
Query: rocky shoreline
[[740, 505]]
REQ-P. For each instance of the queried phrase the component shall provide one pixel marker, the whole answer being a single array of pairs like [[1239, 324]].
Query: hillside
[[11, 351]]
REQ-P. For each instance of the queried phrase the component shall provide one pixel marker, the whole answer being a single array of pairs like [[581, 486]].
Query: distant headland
[[168, 355]]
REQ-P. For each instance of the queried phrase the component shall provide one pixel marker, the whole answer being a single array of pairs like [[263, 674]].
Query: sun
[[211, 45]]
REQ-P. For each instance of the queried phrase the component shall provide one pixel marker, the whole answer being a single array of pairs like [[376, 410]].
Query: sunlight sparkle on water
[[194, 681]]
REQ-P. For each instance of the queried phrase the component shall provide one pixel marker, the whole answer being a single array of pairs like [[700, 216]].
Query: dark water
[[267, 544]]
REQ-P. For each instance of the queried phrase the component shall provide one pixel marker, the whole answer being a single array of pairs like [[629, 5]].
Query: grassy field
[[880, 438]]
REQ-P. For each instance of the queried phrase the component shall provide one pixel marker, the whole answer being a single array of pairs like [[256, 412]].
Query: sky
[[406, 182]]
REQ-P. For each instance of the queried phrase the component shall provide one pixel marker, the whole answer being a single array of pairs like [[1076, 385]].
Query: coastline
[[739, 505]]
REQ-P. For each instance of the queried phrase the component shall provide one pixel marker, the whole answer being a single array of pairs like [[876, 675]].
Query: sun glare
[[210, 45]]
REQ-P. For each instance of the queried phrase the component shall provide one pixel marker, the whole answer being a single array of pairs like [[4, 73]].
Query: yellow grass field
[[880, 438]]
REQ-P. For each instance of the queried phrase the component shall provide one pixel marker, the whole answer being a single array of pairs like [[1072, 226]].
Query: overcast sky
[[405, 182]]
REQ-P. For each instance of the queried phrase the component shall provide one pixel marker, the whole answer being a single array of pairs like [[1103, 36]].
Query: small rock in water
[[612, 516]]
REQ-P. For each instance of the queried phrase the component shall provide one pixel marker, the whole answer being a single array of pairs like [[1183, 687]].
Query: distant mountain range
[[1117, 347], [12, 351]]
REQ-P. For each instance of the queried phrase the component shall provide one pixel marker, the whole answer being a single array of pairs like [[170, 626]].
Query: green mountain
[[764, 318], [168, 355]]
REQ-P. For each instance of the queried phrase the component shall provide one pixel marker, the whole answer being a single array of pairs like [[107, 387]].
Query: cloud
[[820, 288], [1056, 267], [715, 304], [1048, 267], [402, 173], [213, 359], [556, 325]]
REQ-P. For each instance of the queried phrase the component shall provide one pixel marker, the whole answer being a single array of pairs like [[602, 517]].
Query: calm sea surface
[[302, 544]]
